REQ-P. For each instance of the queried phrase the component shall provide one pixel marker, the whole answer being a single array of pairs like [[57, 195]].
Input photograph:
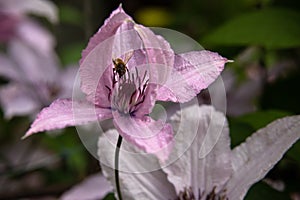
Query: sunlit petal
[[65, 112]]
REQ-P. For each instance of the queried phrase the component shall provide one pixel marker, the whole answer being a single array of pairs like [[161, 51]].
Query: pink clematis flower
[[202, 164], [124, 70]]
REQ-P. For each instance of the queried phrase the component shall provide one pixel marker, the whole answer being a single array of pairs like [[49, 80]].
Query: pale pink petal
[[193, 72], [116, 18], [35, 36], [67, 80], [92, 188], [96, 68], [201, 154], [33, 64], [254, 158], [8, 68], [65, 112], [159, 55], [153, 137], [140, 175], [44, 8], [17, 100]]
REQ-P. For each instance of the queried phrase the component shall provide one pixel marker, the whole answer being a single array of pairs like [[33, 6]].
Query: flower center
[[188, 194], [128, 91]]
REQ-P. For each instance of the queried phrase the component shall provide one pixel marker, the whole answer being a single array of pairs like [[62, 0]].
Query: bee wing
[[128, 55]]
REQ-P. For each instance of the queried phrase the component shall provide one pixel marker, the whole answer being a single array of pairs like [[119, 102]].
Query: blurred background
[[41, 44]]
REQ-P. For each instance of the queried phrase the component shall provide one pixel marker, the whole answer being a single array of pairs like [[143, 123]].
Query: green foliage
[[260, 119], [110, 196], [272, 28], [294, 152], [242, 127], [70, 15], [262, 191], [153, 16], [70, 151], [71, 53]]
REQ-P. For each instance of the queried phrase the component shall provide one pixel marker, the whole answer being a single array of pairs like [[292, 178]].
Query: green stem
[[117, 166]]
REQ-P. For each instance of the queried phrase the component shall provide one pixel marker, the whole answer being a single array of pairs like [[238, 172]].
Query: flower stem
[[117, 166]]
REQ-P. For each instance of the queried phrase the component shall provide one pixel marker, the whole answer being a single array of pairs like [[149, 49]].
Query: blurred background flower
[[40, 38], [29, 63]]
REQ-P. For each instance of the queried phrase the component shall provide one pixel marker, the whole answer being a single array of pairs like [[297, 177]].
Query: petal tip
[[27, 134], [118, 10], [120, 7]]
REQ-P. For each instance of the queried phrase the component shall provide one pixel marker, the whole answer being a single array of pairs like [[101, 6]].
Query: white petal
[[93, 187], [255, 157], [137, 178], [203, 139]]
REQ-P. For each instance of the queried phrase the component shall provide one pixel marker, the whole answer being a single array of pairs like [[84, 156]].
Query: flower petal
[[254, 158], [8, 68], [160, 56], [135, 181], [8, 24], [193, 71], [153, 137], [36, 36], [93, 187], [38, 7], [65, 112], [32, 63], [16, 100], [67, 80], [116, 18], [96, 72], [202, 148]]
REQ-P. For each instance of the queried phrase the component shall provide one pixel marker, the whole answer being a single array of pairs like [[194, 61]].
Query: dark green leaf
[[242, 127], [239, 131], [70, 15], [272, 28], [70, 150], [262, 118], [71, 53], [110, 196], [261, 191], [294, 152]]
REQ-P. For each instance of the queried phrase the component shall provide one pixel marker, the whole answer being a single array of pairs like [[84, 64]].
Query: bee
[[120, 65]]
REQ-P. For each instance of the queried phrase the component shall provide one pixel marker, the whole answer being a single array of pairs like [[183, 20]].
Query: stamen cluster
[[128, 91], [188, 194]]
